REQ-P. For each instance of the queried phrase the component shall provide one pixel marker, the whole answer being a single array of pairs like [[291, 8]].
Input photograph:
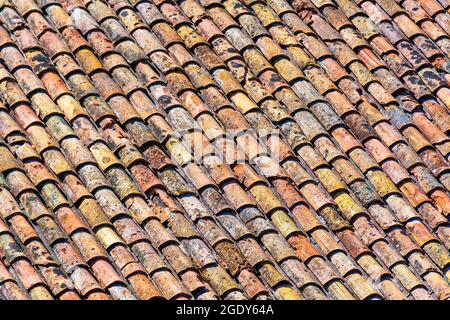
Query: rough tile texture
[[237, 149]]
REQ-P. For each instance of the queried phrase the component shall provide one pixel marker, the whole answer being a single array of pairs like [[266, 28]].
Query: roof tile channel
[[224, 149]]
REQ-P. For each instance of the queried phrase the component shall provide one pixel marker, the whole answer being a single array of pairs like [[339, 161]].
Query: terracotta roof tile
[[232, 149]]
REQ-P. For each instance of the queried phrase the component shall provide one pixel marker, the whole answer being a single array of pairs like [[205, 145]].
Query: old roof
[[224, 149]]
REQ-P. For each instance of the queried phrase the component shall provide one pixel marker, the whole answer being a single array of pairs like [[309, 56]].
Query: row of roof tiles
[[348, 200]]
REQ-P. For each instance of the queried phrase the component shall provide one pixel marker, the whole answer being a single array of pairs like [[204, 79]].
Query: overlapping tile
[[206, 149]]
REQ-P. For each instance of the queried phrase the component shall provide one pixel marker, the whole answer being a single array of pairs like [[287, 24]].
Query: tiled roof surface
[[224, 149]]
